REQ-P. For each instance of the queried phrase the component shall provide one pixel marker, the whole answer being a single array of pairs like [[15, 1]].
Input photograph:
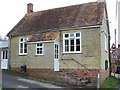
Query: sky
[[12, 11]]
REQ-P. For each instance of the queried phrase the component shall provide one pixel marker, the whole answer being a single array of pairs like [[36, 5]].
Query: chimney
[[29, 7]]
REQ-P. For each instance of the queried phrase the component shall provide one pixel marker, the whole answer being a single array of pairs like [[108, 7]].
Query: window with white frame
[[39, 48], [22, 46], [72, 42]]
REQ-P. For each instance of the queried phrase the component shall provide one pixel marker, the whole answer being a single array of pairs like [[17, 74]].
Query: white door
[[4, 59], [56, 57]]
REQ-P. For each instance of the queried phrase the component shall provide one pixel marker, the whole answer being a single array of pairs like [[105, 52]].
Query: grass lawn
[[0, 88], [110, 82]]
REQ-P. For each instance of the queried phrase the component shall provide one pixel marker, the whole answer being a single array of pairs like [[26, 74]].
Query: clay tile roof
[[58, 18]]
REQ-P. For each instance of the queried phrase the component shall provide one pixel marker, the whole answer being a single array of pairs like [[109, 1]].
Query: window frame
[[24, 43], [39, 48], [69, 38]]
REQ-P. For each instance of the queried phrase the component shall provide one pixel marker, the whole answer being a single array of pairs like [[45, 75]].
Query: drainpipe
[[107, 22], [9, 55]]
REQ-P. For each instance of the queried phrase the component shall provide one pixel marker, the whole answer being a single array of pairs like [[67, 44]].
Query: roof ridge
[[63, 7]]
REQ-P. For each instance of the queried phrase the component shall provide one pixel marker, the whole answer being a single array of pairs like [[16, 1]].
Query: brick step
[[78, 78]]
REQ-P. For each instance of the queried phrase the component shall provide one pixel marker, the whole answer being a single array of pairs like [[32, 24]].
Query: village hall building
[[73, 38]]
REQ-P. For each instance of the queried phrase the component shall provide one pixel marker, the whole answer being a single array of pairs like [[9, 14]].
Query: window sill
[[72, 52], [22, 54], [39, 54]]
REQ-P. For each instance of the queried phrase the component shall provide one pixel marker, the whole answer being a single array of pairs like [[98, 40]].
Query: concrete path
[[11, 81]]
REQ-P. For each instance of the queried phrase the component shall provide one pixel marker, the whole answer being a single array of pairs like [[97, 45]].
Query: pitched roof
[[58, 18]]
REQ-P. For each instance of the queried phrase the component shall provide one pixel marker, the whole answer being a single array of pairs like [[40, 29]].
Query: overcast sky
[[11, 11]]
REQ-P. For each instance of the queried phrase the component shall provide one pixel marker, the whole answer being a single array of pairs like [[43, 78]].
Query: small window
[[22, 46], [106, 64], [39, 49]]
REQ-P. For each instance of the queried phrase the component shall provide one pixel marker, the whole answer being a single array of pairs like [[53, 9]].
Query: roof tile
[[58, 18]]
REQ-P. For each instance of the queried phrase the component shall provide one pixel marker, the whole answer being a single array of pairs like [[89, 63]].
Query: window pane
[[25, 45], [77, 41], [72, 45], [66, 35], [6, 57], [21, 45], [71, 34], [66, 48], [66, 45], [25, 48], [77, 34], [21, 40], [57, 47], [21, 50], [57, 56], [3, 54], [57, 51], [66, 42], [77, 44], [39, 44], [77, 48], [38, 49], [72, 48], [72, 42], [40, 52]]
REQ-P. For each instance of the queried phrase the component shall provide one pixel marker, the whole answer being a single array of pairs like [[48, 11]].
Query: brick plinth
[[42, 72]]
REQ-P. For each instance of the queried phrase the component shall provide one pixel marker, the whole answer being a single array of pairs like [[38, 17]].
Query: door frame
[[4, 59], [56, 56]]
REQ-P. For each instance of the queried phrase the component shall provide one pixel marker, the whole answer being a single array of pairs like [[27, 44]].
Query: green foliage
[[110, 82]]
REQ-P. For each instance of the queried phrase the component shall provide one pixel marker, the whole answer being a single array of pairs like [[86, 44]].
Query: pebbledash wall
[[91, 55]]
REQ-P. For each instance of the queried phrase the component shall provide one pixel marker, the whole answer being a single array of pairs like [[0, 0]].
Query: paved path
[[11, 81]]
